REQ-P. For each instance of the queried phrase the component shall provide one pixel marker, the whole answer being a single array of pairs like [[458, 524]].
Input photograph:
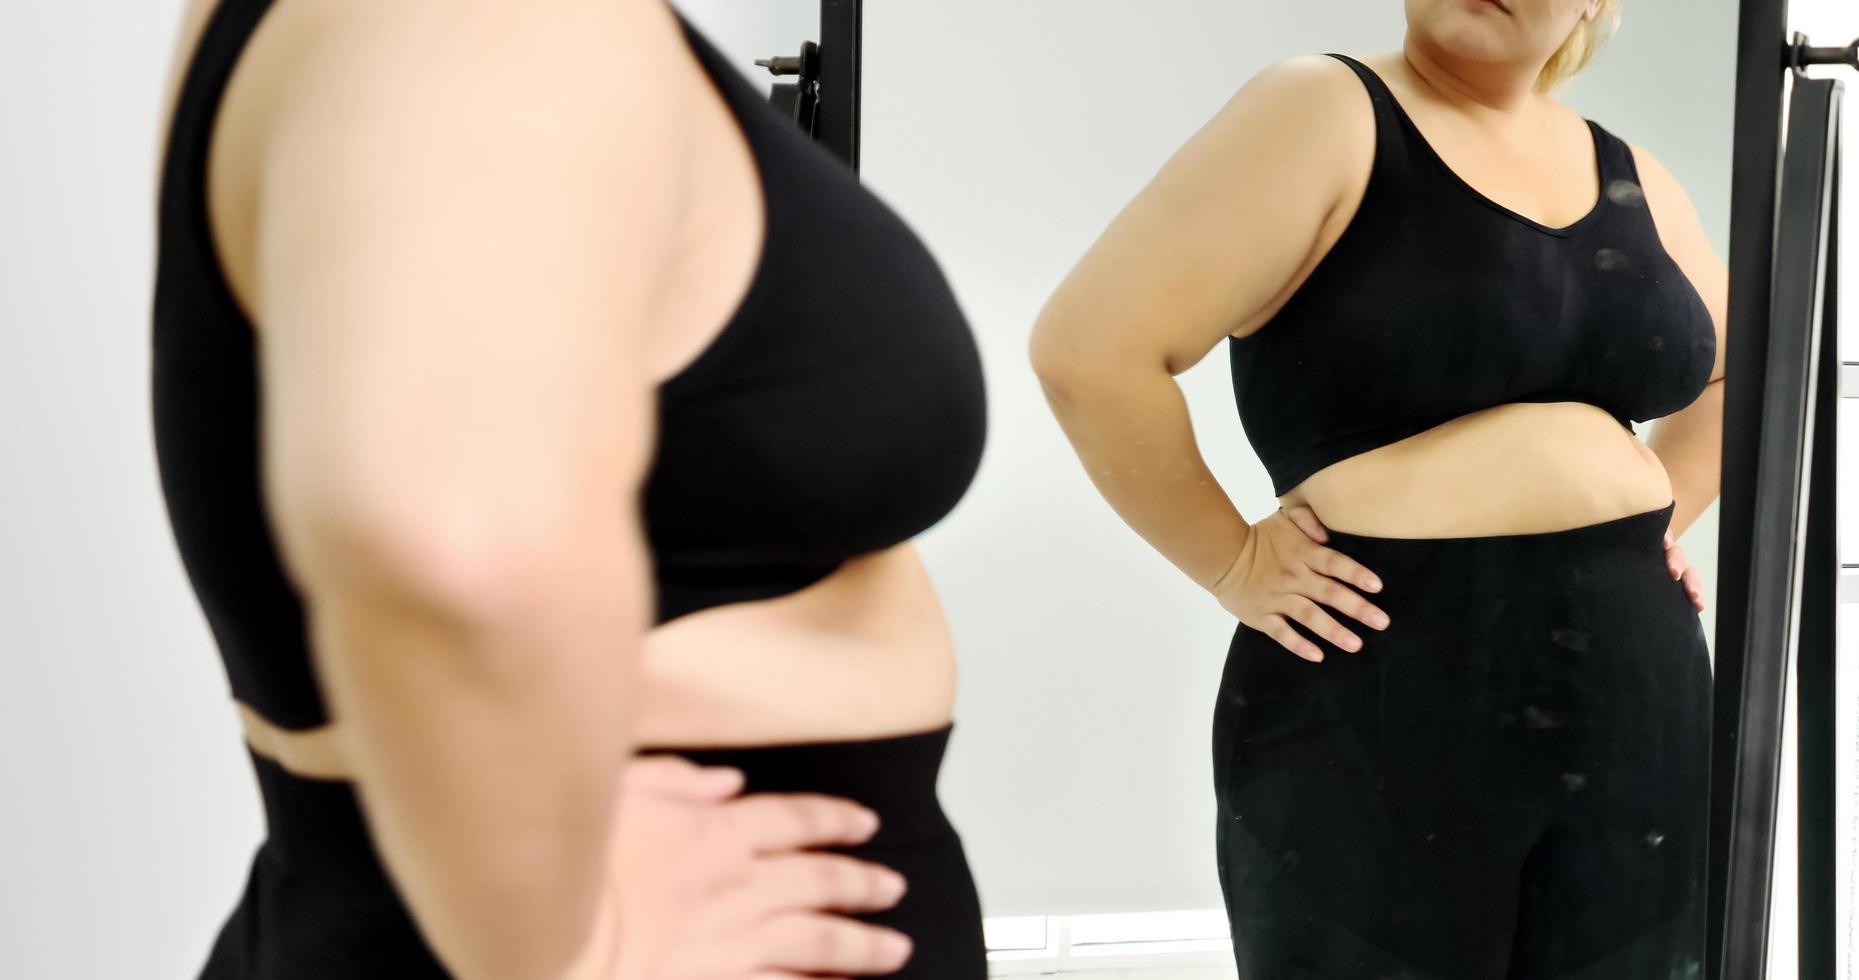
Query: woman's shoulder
[[1310, 102], [1309, 80]]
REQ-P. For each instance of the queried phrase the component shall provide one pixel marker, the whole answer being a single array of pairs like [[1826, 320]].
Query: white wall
[[129, 814], [1007, 133]]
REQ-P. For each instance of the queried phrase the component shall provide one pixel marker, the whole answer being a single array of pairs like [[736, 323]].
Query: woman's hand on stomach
[[1515, 468]]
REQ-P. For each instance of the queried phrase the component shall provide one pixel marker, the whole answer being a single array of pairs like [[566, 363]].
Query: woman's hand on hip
[[715, 886], [1282, 572], [1681, 569]]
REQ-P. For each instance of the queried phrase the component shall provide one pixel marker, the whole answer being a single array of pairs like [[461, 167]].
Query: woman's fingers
[[811, 942], [1676, 562], [779, 822], [1306, 611], [678, 778], [1681, 570], [1335, 564], [1341, 597], [1694, 587], [1275, 626], [807, 880], [1306, 521], [1296, 574]]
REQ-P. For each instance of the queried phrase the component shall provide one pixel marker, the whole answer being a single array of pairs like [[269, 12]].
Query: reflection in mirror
[[1475, 341]]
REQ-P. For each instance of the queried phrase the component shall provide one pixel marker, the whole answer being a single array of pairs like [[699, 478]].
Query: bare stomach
[[1517, 468], [863, 653]]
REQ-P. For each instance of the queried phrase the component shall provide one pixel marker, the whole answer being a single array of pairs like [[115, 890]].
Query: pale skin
[[492, 544], [1231, 226]]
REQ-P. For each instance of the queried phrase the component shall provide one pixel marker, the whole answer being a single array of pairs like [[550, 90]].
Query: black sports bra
[[1437, 301], [839, 411]]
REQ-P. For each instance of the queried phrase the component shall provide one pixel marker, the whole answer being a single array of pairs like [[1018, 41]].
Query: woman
[[569, 453], [1445, 303]]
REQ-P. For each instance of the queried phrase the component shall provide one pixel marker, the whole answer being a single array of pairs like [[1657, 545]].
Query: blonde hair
[[1580, 46]]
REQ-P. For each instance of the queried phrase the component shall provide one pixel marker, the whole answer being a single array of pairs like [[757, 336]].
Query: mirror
[[1528, 739]]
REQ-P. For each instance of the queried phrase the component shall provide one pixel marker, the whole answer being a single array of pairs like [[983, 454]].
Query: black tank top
[[1437, 301], [839, 411]]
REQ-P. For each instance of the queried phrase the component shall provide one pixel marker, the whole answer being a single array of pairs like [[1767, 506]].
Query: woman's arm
[[1689, 442], [1208, 247], [463, 212]]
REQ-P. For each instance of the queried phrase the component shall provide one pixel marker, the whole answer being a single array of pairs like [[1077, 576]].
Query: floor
[[1177, 973], [1204, 973]]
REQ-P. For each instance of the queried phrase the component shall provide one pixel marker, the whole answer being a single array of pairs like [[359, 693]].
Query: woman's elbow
[[1057, 362], [483, 560], [1059, 355], [1074, 370]]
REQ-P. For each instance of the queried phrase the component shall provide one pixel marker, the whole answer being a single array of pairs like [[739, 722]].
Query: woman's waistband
[[893, 775], [1623, 549], [316, 825]]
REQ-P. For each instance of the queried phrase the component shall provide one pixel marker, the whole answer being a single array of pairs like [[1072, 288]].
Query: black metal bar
[[842, 26], [1732, 890], [1778, 556], [1815, 696]]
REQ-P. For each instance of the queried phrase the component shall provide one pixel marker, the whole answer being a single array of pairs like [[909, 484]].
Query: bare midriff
[[1515, 468], [863, 653]]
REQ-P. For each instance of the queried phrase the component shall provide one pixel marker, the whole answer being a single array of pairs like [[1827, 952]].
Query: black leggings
[[1508, 782], [317, 901], [318, 904], [895, 776]]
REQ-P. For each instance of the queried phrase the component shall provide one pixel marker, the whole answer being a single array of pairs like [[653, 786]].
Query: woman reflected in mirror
[[1462, 726]]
